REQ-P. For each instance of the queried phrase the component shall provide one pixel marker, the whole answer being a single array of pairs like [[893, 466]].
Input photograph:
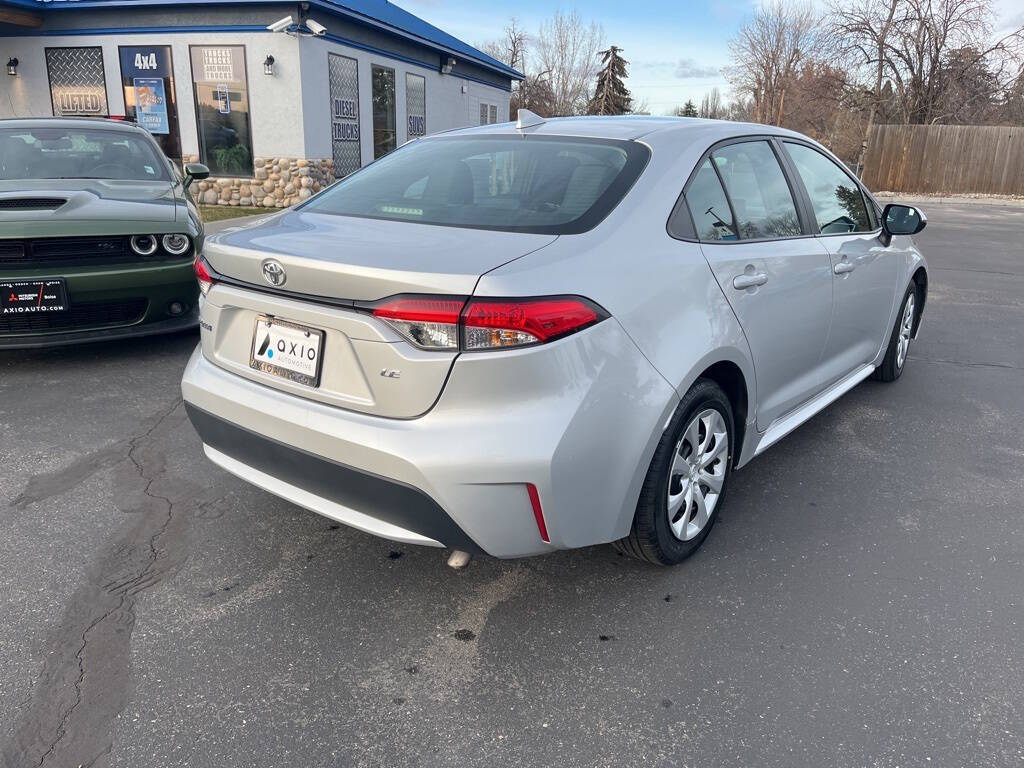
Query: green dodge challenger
[[97, 233]]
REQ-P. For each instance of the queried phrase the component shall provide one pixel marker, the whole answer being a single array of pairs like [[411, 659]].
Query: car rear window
[[539, 184], [69, 152]]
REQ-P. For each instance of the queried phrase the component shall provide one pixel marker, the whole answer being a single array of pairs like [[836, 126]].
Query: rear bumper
[[578, 419], [400, 511]]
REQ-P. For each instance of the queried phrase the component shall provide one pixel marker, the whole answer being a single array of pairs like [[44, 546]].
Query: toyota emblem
[[274, 273]]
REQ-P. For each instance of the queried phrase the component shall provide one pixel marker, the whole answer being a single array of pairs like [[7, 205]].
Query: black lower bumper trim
[[186, 322], [379, 497]]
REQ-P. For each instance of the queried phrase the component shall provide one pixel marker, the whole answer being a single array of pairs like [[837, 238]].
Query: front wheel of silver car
[[899, 340], [686, 481]]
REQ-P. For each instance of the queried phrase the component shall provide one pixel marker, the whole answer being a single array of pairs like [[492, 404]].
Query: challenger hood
[[24, 203]]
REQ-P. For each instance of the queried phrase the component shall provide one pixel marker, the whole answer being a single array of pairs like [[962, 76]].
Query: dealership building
[[277, 107]]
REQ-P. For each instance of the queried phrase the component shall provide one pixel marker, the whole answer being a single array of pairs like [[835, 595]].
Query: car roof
[[632, 127], [63, 122]]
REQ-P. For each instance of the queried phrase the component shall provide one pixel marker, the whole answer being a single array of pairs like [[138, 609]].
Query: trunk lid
[[366, 365], [359, 259]]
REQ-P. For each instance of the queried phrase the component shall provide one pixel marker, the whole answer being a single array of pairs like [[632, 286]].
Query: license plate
[[33, 297], [288, 350]]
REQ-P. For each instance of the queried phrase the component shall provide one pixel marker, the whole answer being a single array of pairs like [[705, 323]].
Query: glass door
[[222, 109], [385, 137], [147, 76]]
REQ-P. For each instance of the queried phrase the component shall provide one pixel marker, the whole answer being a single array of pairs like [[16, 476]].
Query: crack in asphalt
[[978, 271], [965, 364], [132, 565], [62, 725]]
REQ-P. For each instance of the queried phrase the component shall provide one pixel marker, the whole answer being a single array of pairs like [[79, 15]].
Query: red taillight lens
[[492, 324], [204, 275], [435, 322], [427, 321]]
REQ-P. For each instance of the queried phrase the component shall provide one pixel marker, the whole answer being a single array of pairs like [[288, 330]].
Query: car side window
[[760, 196], [709, 207], [835, 197]]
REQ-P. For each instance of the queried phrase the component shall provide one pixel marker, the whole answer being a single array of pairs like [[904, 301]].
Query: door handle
[[843, 267], [740, 282]]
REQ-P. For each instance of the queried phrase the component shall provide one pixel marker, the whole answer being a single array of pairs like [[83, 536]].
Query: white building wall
[[275, 103], [452, 101], [289, 111]]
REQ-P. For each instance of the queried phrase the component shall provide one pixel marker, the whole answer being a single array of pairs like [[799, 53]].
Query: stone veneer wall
[[277, 183]]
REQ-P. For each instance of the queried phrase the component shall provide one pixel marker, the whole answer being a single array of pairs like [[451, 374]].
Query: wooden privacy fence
[[947, 159]]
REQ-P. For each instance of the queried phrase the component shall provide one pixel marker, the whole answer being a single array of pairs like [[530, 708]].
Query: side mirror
[[901, 220], [195, 171]]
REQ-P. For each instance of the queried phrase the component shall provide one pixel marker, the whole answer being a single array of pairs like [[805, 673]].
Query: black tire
[[891, 368], [650, 537]]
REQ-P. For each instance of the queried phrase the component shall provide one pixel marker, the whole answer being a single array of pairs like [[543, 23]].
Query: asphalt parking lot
[[859, 603]]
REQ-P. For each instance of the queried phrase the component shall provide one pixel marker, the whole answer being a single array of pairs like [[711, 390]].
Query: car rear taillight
[[204, 274], [497, 323], [446, 322], [431, 322]]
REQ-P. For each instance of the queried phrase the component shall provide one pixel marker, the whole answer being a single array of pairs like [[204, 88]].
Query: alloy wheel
[[697, 474], [906, 327]]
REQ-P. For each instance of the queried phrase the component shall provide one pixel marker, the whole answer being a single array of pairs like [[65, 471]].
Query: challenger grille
[[65, 251]]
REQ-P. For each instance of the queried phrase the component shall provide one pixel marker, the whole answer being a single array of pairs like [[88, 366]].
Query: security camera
[[316, 28], [281, 24]]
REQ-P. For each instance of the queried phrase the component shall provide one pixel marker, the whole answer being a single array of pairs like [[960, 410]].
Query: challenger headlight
[[176, 244], [144, 245]]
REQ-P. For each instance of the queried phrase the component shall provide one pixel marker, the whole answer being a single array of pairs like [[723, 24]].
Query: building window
[[488, 113], [147, 77], [78, 85], [222, 108], [384, 134], [415, 104]]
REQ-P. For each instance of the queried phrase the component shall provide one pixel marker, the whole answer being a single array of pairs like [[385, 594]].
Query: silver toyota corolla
[[527, 337]]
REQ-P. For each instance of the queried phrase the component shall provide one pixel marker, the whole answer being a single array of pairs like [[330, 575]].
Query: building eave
[[336, 8]]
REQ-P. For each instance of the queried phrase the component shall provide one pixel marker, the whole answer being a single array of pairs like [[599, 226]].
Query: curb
[[982, 200]]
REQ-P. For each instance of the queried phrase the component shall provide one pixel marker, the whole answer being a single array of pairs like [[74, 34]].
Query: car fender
[[910, 260]]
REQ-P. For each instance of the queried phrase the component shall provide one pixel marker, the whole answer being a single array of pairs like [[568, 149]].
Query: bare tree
[[711, 105], [929, 60], [864, 28], [941, 43], [567, 48], [511, 49], [767, 53]]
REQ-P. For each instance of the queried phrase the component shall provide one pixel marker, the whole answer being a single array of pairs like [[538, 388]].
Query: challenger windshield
[[78, 153]]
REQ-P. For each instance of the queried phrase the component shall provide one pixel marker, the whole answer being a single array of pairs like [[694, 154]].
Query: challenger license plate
[[288, 350], [33, 297]]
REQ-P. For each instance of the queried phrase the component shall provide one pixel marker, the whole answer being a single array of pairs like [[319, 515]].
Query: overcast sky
[[675, 49]]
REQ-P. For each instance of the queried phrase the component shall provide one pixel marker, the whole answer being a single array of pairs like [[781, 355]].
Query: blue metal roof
[[376, 13], [391, 16]]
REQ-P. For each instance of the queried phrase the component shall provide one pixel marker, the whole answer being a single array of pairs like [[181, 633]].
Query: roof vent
[[31, 203], [527, 119]]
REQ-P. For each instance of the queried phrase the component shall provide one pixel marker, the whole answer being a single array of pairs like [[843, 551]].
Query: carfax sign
[[151, 104]]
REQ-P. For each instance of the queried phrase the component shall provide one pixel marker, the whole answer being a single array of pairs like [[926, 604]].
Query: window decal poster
[[151, 104]]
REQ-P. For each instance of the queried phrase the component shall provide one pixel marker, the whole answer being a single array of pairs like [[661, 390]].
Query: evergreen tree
[[611, 96], [689, 109]]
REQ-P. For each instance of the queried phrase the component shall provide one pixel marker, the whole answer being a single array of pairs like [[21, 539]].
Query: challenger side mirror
[[901, 220], [195, 171]]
